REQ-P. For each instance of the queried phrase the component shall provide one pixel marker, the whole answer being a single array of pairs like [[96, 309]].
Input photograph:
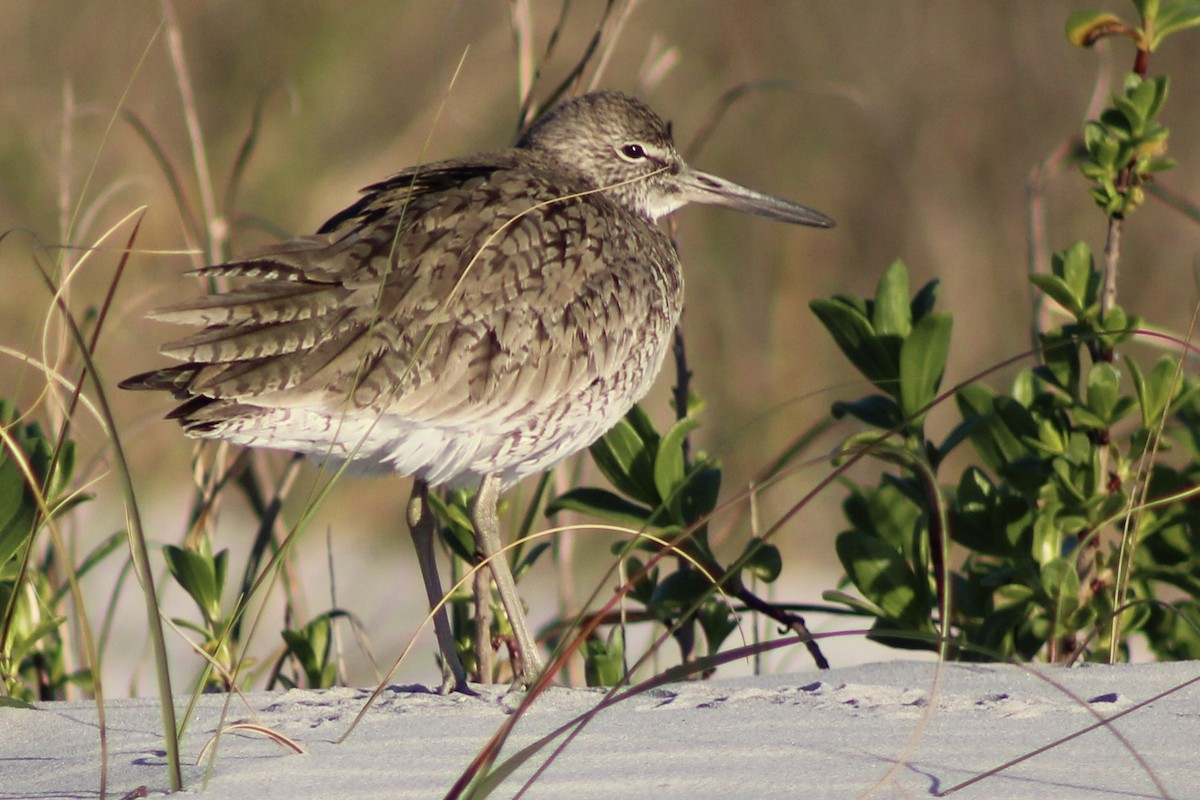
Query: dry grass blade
[[137, 544], [481, 779], [191, 227], [246, 150], [283, 740], [47, 515], [1139, 497], [481, 772], [725, 102]]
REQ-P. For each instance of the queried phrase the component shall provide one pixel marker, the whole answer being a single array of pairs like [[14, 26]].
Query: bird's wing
[[461, 293]]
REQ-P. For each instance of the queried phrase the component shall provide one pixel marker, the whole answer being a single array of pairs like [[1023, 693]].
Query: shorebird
[[465, 322]]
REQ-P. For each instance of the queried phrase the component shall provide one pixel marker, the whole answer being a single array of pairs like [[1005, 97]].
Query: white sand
[[846, 733]]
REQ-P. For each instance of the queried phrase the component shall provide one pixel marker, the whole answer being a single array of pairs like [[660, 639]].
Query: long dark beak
[[700, 187]]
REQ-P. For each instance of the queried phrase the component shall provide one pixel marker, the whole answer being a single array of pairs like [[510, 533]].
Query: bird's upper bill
[[700, 187]]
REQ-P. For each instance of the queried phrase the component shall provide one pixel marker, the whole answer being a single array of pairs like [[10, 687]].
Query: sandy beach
[[897, 729]]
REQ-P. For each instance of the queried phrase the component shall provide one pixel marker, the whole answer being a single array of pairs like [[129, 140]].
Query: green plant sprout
[[1067, 525]]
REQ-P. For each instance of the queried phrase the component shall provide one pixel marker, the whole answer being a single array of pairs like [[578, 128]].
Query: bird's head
[[617, 144]]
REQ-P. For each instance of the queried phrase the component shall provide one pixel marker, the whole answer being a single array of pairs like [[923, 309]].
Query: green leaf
[[1154, 391], [875, 445], [1103, 390], [877, 410], [922, 362], [1047, 534], [199, 575], [702, 491], [717, 622], [299, 647], [456, 530], [1132, 109], [28, 641], [989, 437], [12, 490], [1003, 436], [1077, 270], [880, 572], [1095, 139], [1060, 582], [603, 504], [892, 314], [670, 467], [1085, 28], [13, 702], [60, 481], [680, 590], [604, 660], [454, 510], [857, 339], [861, 606], [1172, 16], [1148, 97], [1060, 354], [1118, 325], [765, 561], [310, 646], [1057, 290], [988, 519], [16, 514], [924, 300], [1051, 439], [626, 458], [1013, 594], [643, 584]]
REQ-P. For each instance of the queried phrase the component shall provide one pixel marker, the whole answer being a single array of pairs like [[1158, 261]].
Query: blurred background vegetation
[[914, 123]]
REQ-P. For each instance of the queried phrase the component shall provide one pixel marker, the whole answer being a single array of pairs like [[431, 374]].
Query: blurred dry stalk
[[957, 102]]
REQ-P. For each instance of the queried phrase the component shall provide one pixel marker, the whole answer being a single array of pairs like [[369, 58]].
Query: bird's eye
[[633, 152]]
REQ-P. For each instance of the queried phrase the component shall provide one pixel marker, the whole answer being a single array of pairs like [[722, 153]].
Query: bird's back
[[486, 315]]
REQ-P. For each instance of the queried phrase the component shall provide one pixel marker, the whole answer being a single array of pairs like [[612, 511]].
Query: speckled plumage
[[472, 319], [450, 351]]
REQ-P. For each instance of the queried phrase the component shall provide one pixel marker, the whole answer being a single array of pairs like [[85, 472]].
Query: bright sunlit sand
[[897, 729]]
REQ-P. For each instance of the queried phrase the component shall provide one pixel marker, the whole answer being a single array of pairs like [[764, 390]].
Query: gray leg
[[483, 623], [487, 540], [421, 526]]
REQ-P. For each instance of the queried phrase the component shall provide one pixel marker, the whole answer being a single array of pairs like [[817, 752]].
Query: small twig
[[791, 621], [610, 45], [723, 104], [681, 390]]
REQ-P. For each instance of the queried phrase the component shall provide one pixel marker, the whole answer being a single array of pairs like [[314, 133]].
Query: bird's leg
[[483, 619], [487, 541], [421, 526]]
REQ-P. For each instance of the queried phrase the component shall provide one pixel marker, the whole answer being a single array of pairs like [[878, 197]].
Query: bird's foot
[[526, 674], [450, 685], [455, 680]]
